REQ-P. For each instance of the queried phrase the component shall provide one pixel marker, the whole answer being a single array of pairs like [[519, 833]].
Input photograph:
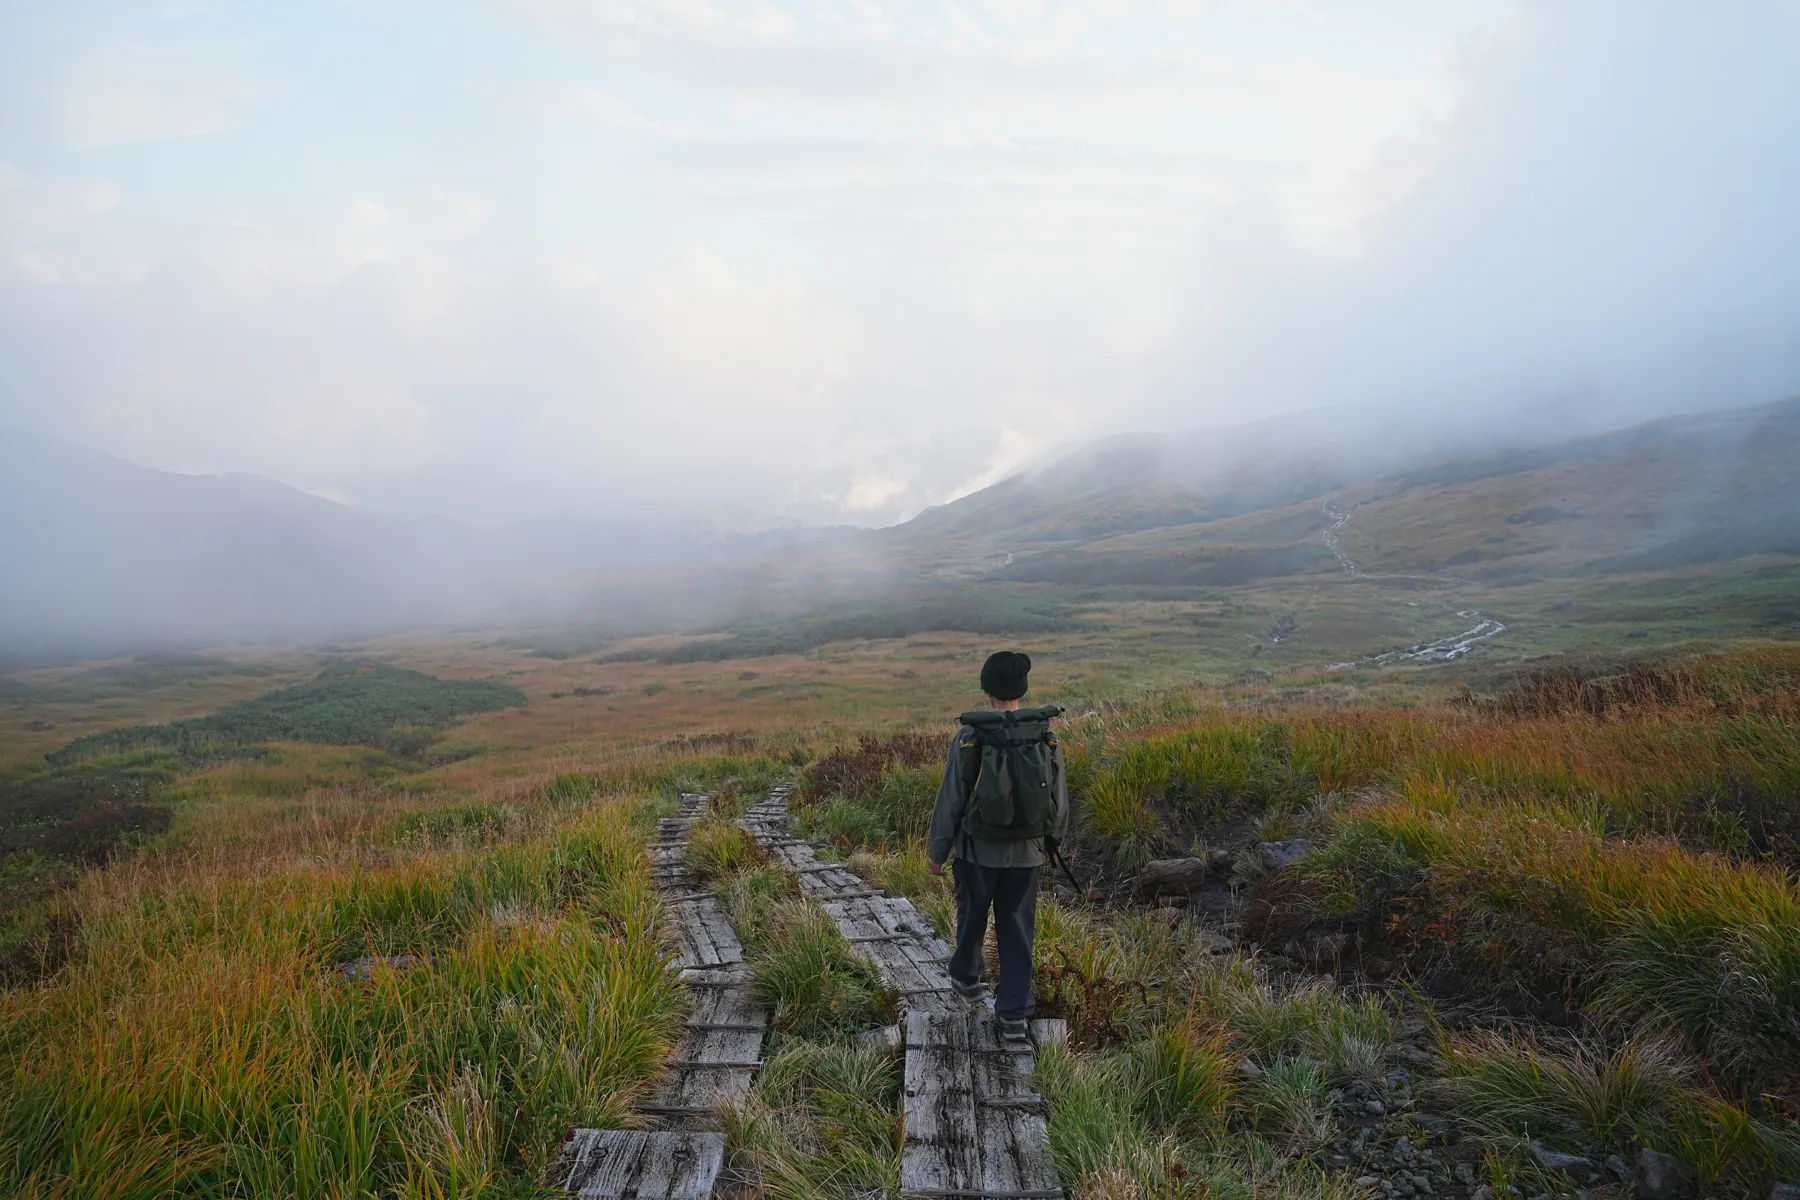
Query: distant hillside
[[104, 556], [1245, 506], [101, 551]]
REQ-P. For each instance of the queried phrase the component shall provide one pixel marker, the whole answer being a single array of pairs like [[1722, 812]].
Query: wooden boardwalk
[[974, 1122], [715, 1064]]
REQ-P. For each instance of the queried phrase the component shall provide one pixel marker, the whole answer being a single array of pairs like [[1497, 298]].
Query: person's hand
[[936, 868]]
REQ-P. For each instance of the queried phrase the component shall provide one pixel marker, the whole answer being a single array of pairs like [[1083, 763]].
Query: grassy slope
[[318, 852], [1614, 872]]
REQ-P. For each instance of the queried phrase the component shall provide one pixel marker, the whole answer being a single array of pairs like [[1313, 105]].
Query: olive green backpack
[[1012, 758]]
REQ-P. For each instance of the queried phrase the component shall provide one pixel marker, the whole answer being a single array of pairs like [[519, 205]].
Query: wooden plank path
[[715, 1064], [974, 1121]]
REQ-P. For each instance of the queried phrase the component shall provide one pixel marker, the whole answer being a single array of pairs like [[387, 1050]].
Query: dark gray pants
[[1012, 893]]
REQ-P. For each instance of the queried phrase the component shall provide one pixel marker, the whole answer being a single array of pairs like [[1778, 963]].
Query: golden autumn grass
[[197, 1041], [201, 1043]]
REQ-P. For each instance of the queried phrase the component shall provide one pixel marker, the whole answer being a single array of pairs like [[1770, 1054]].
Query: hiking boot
[[974, 993], [1015, 1030]]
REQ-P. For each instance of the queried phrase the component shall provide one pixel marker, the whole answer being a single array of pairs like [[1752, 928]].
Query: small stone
[[1366, 1181], [363, 969], [1784, 1191], [1403, 1148], [1465, 1174], [1484, 1192], [1172, 875], [1276, 855], [1375, 1108], [1620, 1172], [1658, 1176], [1247, 1069], [885, 1039], [1552, 1159]]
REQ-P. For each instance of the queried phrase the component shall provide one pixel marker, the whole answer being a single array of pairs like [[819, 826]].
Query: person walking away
[[1003, 804]]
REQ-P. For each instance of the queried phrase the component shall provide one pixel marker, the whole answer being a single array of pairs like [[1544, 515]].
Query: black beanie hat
[[1003, 674]]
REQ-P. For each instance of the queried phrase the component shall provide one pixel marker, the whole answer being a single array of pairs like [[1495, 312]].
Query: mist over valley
[[559, 559]]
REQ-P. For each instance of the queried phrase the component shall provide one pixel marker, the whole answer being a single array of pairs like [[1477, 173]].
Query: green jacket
[[947, 838]]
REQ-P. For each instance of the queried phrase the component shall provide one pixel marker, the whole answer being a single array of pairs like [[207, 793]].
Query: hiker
[[1002, 807]]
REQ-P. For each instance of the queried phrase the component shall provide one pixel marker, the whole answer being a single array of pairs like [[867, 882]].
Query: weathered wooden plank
[[625, 1164], [972, 1116], [940, 1151], [726, 1006]]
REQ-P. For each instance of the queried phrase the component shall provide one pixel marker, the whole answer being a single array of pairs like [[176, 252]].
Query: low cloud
[[777, 264]]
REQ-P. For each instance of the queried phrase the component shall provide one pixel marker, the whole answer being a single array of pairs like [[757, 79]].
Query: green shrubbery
[[812, 982], [367, 705], [824, 1123], [718, 850], [989, 611]]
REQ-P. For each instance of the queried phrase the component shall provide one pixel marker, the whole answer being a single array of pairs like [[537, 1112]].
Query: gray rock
[[1431, 1123], [1220, 861], [886, 1039], [1465, 1174], [1552, 1159], [363, 970], [1247, 1069], [1276, 855], [1784, 1191], [1658, 1176], [1484, 1192], [1620, 1171], [1375, 1108], [1172, 876], [1367, 1181]]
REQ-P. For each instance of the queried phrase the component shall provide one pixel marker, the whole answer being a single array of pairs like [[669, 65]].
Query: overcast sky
[[839, 261]]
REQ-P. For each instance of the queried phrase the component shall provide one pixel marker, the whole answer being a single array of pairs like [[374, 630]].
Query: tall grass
[[806, 974], [1642, 1092], [201, 1044], [1535, 900], [825, 1123]]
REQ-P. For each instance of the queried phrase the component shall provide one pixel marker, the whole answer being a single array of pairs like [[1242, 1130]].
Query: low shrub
[[1185, 1077], [1534, 903], [471, 821], [1583, 1097], [824, 1123], [1288, 1101], [854, 771], [808, 977], [718, 849], [842, 823]]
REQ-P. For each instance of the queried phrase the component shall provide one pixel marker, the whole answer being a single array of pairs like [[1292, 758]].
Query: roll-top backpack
[[1012, 758]]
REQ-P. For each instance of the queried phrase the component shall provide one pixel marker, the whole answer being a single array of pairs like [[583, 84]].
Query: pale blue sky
[[838, 261]]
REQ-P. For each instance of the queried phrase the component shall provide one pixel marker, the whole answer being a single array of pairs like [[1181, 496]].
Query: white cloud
[[845, 261]]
